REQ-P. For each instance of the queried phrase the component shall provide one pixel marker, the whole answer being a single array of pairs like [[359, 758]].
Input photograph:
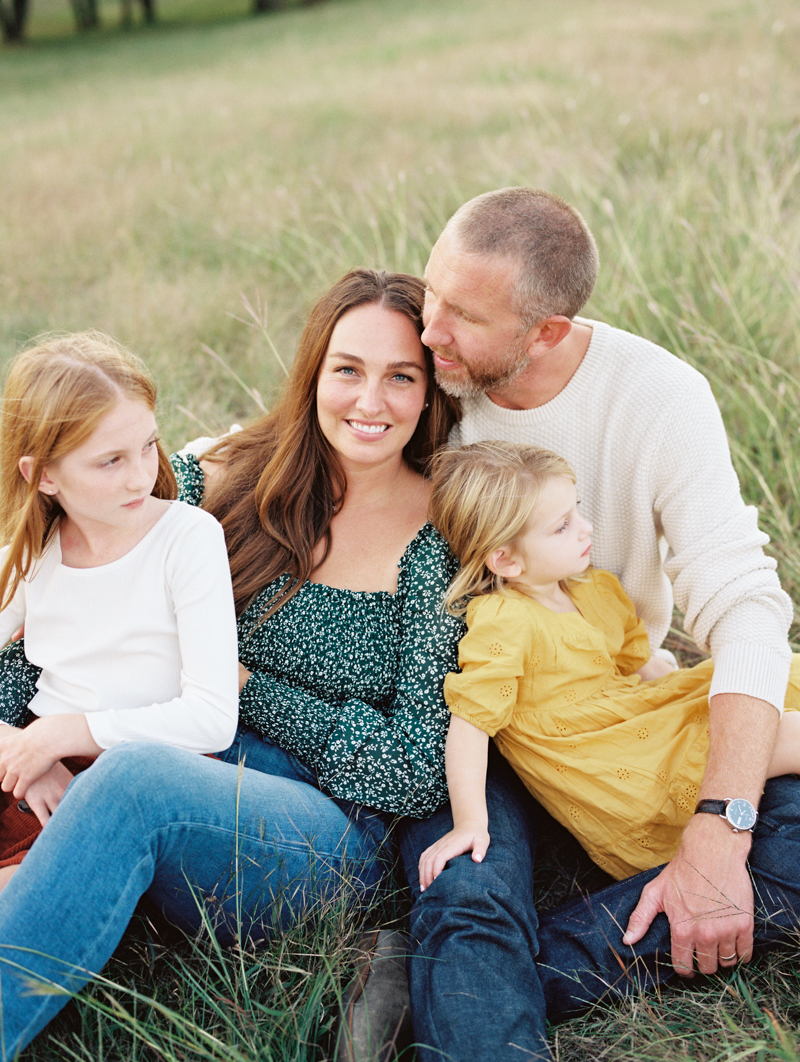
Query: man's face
[[471, 324]]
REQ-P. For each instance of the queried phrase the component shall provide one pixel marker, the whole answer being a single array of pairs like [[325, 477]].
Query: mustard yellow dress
[[616, 760]]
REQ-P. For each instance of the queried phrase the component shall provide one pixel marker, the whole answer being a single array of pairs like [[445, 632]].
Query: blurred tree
[[13, 17], [85, 12], [260, 6], [148, 11]]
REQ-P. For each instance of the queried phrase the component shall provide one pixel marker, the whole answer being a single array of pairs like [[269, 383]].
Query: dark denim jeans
[[483, 972]]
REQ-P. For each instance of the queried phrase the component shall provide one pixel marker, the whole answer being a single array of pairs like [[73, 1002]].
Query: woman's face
[[372, 385]]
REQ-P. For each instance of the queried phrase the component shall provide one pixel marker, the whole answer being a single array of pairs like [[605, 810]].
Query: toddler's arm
[[465, 759]]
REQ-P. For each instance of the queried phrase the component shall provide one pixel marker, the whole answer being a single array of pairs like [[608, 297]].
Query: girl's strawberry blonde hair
[[56, 394], [482, 497]]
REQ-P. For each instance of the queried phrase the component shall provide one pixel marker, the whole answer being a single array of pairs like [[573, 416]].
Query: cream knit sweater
[[645, 438]]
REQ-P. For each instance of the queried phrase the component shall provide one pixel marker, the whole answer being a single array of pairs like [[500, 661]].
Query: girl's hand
[[26, 755], [44, 795], [466, 837]]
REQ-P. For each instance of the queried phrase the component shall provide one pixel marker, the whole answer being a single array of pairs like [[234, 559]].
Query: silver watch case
[[739, 813]]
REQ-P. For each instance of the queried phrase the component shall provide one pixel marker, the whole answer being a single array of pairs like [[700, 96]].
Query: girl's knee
[[129, 767]]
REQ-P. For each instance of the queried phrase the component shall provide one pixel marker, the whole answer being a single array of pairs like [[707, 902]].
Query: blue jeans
[[483, 973], [251, 850]]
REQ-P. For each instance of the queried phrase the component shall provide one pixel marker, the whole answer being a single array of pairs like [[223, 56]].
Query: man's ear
[[26, 466], [504, 562], [547, 334]]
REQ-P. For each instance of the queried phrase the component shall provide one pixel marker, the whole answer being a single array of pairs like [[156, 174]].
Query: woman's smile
[[368, 428]]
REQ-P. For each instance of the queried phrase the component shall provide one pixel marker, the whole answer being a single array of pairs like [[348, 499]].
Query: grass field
[[192, 186]]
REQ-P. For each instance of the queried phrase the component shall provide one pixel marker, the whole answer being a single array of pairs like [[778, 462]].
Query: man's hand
[[467, 837], [44, 795], [706, 891], [707, 896]]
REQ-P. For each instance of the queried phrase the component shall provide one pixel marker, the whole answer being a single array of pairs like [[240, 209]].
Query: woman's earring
[[426, 405]]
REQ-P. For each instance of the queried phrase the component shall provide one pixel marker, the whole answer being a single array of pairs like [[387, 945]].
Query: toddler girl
[[125, 595], [556, 666]]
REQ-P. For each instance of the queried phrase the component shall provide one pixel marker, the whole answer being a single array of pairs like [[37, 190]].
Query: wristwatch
[[740, 814]]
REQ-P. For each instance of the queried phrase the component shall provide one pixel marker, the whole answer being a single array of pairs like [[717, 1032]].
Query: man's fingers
[[683, 948], [744, 944], [641, 917], [727, 953]]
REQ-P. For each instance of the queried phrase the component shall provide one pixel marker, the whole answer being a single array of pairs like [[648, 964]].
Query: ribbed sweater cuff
[[753, 670]]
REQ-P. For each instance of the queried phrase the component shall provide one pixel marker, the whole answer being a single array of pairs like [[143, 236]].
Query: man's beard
[[470, 380]]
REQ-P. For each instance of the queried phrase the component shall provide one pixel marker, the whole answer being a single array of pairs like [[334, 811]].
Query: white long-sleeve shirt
[[644, 435], [145, 646]]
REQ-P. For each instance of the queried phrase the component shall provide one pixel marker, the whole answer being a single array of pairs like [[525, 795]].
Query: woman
[[343, 648]]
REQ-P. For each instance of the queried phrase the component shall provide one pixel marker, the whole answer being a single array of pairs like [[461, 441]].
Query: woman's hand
[[244, 675], [44, 795], [465, 837], [26, 755]]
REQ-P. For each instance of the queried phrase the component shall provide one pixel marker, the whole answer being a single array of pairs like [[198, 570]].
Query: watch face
[[741, 814]]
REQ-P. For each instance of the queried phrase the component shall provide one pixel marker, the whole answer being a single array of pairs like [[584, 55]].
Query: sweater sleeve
[[723, 581], [203, 718], [390, 757]]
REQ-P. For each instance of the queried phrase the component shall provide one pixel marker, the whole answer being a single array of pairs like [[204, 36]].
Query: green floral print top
[[351, 682]]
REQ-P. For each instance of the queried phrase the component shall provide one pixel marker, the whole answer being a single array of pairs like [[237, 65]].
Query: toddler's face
[[556, 541]]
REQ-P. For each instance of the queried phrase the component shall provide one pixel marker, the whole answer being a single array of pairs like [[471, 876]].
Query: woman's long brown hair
[[282, 480]]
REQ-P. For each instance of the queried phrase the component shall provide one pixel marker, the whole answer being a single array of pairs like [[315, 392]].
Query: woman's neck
[[371, 528], [374, 487]]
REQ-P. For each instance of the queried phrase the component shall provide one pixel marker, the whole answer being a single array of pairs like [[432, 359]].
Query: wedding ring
[[727, 958]]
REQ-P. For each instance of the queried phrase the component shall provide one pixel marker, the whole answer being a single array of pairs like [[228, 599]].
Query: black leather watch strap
[[712, 807]]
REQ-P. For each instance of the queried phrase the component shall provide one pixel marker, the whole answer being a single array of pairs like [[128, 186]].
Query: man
[[642, 431]]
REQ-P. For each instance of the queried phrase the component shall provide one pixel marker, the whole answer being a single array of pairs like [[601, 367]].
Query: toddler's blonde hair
[[482, 497]]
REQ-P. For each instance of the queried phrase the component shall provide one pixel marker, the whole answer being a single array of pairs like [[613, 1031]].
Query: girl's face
[[372, 385], [556, 541], [107, 479]]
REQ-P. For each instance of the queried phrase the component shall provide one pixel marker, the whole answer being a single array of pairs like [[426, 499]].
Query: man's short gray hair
[[557, 255]]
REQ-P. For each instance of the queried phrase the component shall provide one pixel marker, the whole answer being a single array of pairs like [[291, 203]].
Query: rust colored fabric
[[19, 829]]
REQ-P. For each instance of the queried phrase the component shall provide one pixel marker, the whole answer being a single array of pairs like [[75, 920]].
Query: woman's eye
[[111, 461], [403, 378]]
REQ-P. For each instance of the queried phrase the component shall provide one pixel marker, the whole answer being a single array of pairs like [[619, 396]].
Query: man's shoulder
[[617, 349]]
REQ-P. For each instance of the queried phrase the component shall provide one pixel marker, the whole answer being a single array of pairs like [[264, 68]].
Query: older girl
[[125, 594]]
